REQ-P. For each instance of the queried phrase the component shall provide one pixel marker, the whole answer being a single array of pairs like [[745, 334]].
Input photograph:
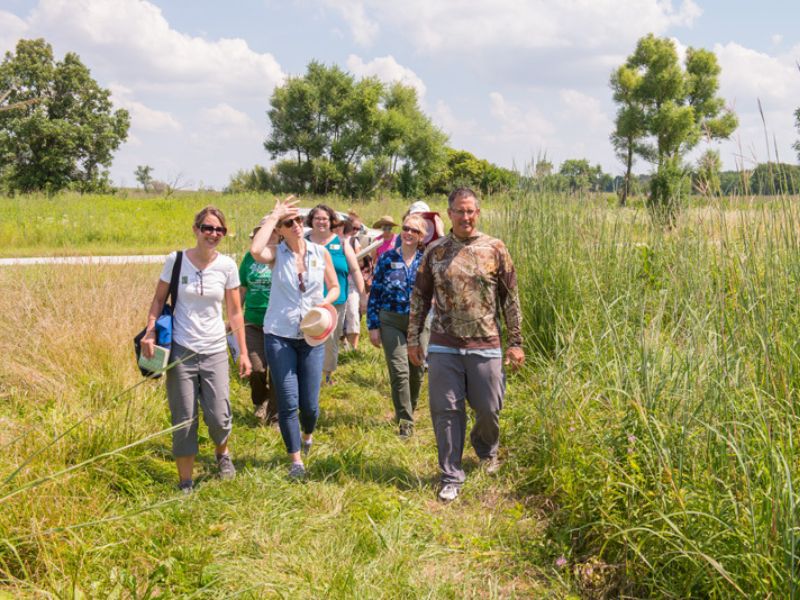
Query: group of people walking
[[303, 292]]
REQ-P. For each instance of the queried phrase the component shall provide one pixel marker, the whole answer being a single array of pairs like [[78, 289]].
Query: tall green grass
[[89, 509], [649, 441], [663, 388]]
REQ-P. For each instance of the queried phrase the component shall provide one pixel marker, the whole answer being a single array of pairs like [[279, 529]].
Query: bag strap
[[173, 282]]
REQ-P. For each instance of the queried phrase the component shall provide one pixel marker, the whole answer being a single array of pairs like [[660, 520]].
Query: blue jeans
[[296, 371]]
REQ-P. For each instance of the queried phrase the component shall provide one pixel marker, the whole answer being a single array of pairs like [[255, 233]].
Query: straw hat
[[318, 324], [384, 221]]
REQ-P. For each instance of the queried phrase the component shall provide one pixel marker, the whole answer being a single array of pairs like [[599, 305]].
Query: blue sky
[[508, 80]]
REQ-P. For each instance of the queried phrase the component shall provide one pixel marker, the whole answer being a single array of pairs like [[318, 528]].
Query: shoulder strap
[[173, 282]]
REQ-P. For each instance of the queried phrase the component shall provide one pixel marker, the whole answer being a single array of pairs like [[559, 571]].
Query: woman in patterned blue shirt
[[387, 318]]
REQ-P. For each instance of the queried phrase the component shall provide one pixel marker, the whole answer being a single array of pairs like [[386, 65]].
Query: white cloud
[[582, 108], [748, 73], [143, 117], [224, 115], [388, 70], [134, 33], [517, 123], [12, 28], [363, 29], [444, 117], [460, 25], [225, 122]]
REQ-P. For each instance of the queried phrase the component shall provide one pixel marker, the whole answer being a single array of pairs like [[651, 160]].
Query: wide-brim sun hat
[[318, 324], [384, 221]]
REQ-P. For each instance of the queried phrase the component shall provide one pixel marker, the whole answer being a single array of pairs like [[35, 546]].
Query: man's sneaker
[[448, 493], [261, 413], [225, 466], [297, 471], [490, 465], [187, 487], [406, 430], [305, 446]]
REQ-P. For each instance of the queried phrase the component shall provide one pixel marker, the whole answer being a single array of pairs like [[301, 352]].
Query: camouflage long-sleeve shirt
[[472, 282]]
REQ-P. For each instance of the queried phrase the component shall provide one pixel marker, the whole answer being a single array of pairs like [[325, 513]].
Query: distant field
[[110, 225], [649, 442]]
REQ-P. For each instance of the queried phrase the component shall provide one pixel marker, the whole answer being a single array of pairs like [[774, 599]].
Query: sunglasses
[[290, 222], [206, 228], [407, 229]]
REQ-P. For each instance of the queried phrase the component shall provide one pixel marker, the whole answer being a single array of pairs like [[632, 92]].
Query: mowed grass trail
[[365, 525]]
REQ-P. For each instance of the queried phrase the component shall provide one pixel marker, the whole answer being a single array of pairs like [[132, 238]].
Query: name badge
[[313, 263], [397, 265], [335, 246]]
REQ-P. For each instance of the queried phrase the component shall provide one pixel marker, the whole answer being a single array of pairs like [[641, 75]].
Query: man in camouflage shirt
[[472, 280]]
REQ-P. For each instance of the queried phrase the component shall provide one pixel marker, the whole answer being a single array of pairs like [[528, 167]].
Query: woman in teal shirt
[[322, 219], [256, 281]]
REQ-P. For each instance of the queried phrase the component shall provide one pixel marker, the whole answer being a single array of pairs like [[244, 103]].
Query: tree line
[[333, 133]]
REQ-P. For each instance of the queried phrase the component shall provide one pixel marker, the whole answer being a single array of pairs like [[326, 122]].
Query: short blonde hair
[[417, 221]]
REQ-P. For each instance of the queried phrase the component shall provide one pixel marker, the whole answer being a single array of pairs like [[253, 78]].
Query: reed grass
[[663, 394], [649, 441]]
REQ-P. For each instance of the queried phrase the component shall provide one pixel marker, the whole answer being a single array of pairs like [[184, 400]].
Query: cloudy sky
[[508, 80]]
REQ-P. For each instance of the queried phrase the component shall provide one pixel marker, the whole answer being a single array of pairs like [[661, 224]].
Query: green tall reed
[[663, 392]]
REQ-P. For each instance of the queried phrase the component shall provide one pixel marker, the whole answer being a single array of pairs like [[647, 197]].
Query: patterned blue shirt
[[392, 284]]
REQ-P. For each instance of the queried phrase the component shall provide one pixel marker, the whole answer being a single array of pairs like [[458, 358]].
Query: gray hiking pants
[[452, 380]]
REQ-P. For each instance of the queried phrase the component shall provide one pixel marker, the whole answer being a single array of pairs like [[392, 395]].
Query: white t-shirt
[[197, 323]]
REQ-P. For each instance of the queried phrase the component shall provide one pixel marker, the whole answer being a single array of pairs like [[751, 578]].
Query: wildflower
[[561, 562], [631, 438]]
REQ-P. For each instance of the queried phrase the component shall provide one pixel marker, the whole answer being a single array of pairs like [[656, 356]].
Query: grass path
[[366, 523]]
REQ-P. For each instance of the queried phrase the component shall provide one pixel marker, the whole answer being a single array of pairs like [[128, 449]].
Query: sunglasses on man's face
[[407, 229], [290, 222], [206, 228]]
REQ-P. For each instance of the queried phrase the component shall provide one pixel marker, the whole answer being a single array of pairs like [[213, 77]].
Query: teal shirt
[[336, 250], [257, 278]]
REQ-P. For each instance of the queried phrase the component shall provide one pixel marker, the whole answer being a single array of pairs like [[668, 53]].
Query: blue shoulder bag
[[164, 321]]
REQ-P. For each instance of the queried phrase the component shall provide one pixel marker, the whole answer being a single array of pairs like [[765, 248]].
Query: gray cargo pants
[[452, 379]]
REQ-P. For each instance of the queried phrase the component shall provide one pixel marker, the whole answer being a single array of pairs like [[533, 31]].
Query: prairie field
[[648, 443]]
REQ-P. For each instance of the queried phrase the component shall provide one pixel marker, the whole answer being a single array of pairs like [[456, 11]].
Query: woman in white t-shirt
[[206, 279]]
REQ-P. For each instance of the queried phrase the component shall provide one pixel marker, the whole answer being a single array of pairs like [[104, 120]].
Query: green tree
[[543, 168], [411, 146], [63, 131], [144, 177], [351, 137], [629, 126], [578, 174], [707, 177], [678, 107]]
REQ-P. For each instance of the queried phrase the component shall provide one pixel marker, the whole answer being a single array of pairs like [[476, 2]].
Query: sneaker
[[490, 465], [448, 493], [406, 430], [297, 471], [305, 446], [187, 487], [329, 380], [261, 413], [225, 466]]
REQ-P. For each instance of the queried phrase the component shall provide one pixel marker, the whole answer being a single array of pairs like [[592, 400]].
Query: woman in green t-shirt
[[256, 281]]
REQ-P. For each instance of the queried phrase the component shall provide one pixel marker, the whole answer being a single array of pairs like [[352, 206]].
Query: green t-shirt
[[257, 278]]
